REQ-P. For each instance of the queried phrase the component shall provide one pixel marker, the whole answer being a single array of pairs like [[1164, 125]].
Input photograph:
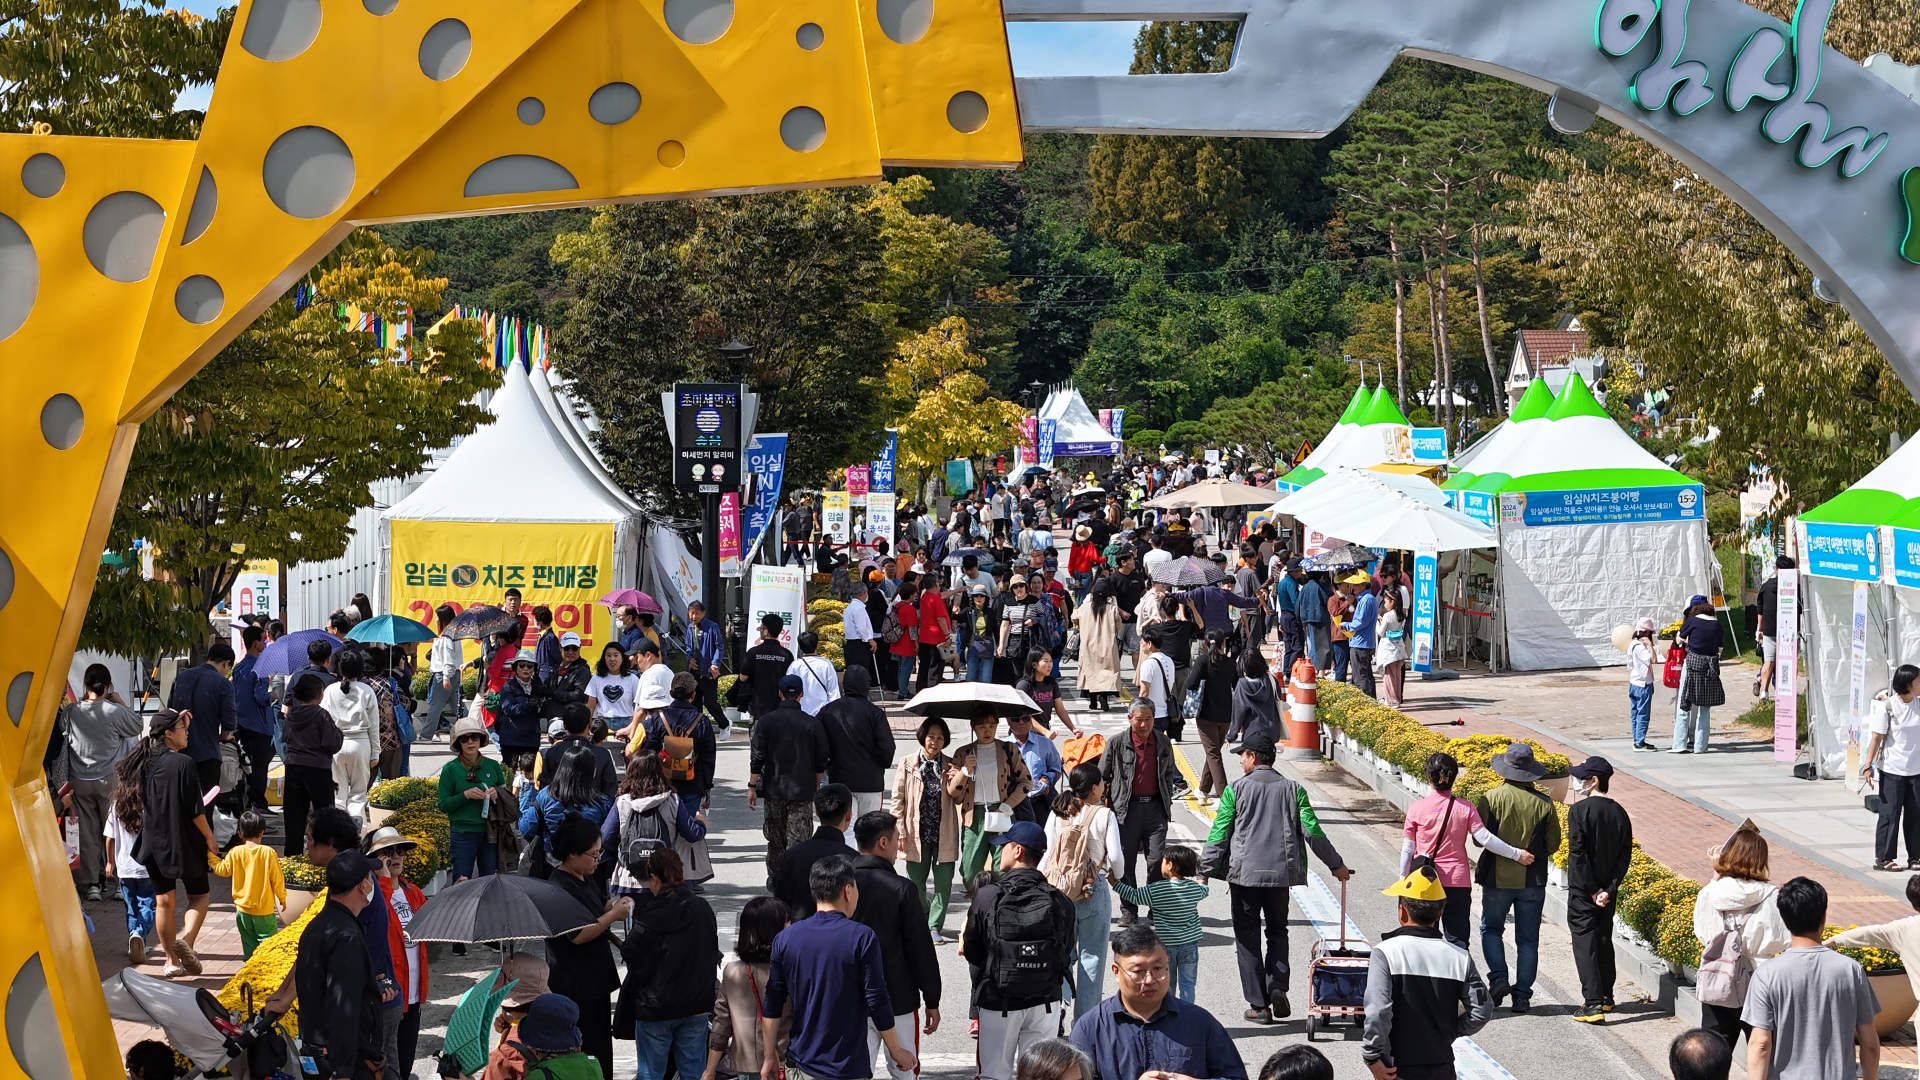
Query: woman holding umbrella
[[581, 963]]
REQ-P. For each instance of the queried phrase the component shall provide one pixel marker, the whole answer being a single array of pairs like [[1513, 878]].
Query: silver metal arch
[[1301, 67]]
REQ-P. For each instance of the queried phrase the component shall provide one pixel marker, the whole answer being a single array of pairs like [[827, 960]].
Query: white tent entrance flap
[[1565, 587]]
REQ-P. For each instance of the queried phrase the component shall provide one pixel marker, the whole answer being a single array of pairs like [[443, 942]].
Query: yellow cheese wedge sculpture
[[126, 264]]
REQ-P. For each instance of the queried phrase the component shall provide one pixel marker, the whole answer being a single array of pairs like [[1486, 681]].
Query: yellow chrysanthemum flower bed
[[403, 791], [818, 608], [1874, 960], [270, 965]]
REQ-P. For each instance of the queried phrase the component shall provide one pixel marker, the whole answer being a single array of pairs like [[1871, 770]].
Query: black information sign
[[706, 424]]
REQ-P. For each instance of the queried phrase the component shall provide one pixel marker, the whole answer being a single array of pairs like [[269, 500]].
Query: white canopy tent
[[1345, 484]]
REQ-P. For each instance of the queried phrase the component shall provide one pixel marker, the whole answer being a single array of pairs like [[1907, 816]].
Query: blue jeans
[[1640, 707], [979, 668], [1341, 653], [685, 1039], [137, 894], [1090, 919], [904, 666], [467, 848], [1526, 904], [442, 701], [1185, 962]]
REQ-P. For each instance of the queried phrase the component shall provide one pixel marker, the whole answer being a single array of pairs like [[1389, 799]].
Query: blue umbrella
[[391, 630], [289, 654]]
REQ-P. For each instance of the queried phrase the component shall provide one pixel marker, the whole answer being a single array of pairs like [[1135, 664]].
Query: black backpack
[[1029, 956], [641, 832]]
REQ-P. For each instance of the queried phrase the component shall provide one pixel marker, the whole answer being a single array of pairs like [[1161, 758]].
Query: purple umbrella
[[289, 654], [634, 598]]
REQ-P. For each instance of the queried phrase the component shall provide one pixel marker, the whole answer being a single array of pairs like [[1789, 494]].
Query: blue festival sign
[[1477, 505], [1119, 423], [1426, 574], [1603, 506], [1848, 552], [1048, 430], [881, 479], [1429, 445], [767, 464], [1903, 556]]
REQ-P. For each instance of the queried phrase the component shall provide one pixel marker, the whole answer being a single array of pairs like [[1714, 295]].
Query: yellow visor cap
[[1419, 885]]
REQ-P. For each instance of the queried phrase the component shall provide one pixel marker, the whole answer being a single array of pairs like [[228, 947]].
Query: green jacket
[[1261, 831], [1523, 816], [577, 1065], [464, 814]]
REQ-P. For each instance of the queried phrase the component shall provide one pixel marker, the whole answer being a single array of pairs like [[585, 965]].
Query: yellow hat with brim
[[1358, 577], [1419, 885]]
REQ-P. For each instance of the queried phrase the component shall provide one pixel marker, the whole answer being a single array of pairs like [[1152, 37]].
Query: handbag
[[998, 821], [1676, 663]]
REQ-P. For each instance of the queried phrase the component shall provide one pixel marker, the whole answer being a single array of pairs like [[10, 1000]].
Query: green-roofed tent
[[1594, 530], [1530, 413], [1868, 534], [1365, 436]]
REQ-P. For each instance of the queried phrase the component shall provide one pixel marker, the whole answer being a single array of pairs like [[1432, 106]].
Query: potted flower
[[725, 687], [1887, 974], [306, 883], [390, 796]]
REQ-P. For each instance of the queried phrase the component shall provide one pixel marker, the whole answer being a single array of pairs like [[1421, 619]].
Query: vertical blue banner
[[882, 476], [1048, 430], [1426, 588], [1119, 423], [767, 464]]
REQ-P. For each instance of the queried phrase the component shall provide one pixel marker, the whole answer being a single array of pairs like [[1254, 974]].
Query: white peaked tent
[[1077, 431], [531, 466]]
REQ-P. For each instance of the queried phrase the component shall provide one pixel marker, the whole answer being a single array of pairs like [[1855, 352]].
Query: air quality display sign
[[706, 448]]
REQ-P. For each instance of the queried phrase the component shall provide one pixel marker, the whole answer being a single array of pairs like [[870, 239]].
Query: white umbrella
[[1396, 521], [1345, 486], [958, 700], [1213, 492]]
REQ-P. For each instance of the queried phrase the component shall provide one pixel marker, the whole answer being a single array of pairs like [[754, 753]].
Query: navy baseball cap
[[791, 684], [1025, 833]]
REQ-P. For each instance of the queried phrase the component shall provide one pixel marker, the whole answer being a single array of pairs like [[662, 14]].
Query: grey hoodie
[[1255, 710]]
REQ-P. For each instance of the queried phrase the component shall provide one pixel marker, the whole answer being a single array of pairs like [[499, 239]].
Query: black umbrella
[[499, 907], [1188, 572], [480, 622]]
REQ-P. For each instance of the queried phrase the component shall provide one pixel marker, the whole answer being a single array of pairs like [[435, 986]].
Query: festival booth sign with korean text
[[567, 567]]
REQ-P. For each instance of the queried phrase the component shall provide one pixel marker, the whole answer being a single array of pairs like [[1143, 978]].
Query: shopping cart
[[1336, 979]]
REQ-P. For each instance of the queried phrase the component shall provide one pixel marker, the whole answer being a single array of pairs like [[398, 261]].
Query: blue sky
[[1039, 49]]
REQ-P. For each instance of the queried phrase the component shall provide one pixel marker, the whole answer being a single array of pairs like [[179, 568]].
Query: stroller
[[1336, 979], [198, 1026]]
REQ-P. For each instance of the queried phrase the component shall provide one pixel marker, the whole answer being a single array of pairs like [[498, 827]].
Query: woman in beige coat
[[1098, 620], [734, 1032], [929, 822]]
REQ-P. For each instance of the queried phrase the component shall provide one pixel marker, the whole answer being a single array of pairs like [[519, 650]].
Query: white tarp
[[1827, 604], [1565, 587]]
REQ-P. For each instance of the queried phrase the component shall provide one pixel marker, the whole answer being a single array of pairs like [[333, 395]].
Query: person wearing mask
[[1260, 830], [1523, 816], [338, 988], [443, 680], [174, 839], [1809, 1008], [819, 683], [906, 647], [253, 714], [468, 786], [1700, 686], [786, 756], [1101, 624], [1141, 781], [356, 712], [203, 691], [833, 806], [581, 963], [400, 1023], [567, 686], [1019, 917], [889, 905], [705, 649], [860, 743], [674, 934], [631, 632], [766, 662], [1738, 900], [1435, 835], [1599, 849], [735, 1032], [523, 699], [929, 838], [1083, 859], [1362, 632], [829, 969], [97, 727], [989, 779], [1142, 1026]]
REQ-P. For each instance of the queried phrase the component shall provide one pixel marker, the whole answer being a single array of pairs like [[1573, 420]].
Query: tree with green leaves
[[105, 67], [269, 450]]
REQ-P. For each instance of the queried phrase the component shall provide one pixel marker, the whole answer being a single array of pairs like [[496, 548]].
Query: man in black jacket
[[890, 907], [204, 692], [833, 804], [1141, 794], [1024, 951], [574, 720], [859, 741], [767, 660], [1599, 847], [340, 998], [786, 756]]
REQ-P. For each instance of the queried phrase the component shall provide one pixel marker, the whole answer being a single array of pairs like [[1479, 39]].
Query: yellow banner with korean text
[[567, 567]]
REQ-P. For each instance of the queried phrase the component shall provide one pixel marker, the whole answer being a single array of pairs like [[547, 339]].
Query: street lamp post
[[733, 357]]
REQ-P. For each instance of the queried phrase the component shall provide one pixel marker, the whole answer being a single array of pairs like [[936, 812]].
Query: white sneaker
[[136, 949], [1678, 750]]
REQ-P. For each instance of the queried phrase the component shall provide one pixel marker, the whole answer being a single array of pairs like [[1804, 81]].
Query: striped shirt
[[1174, 904]]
